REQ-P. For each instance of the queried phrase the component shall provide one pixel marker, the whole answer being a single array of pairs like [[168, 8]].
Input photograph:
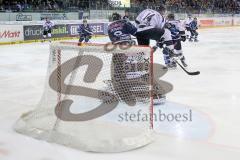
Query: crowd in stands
[[197, 6], [217, 6], [30, 5], [194, 6]]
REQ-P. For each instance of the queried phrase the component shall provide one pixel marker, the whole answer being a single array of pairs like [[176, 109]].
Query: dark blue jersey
[[121, 30], [85, 30], [193, 25]]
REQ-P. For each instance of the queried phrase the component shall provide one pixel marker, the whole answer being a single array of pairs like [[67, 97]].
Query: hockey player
[[47, 29], [187, 24], [150, 24], [193, 29], [178, 35], [120, 30], [126, 16], [85, 32]]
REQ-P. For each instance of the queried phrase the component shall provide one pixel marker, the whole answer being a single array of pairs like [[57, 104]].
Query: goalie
[[85, 32]]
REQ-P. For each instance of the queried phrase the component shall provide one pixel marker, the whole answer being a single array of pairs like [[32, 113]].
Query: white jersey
[[177, 24], [48, 25], [188, 21], [149, 19]]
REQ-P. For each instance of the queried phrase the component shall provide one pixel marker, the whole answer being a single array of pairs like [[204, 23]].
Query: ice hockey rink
[[213, 97]]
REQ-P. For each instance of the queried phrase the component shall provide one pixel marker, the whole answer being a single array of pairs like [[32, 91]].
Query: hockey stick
[[172, 55], [189, 73], [88, 32]]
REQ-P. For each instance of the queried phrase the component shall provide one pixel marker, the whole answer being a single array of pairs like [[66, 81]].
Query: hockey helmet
[[47, 19], [161, 8], [116, 16], [170, 16]]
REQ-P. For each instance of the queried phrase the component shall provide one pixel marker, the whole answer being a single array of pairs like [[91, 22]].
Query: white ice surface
[[214, 98]]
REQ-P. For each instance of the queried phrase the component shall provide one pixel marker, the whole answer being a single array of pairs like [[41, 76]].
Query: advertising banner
[[207, 23], [237, 21], [23, 17], [119, 3], [11, 33], [55, 16], [97, 28], [30, 16], [32, 32], [224, 21]]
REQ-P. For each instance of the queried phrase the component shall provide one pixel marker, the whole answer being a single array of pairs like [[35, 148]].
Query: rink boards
[[28, 32]]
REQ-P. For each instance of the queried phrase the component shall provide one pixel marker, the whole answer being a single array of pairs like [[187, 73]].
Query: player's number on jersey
[[110, 47], [148, 17], [118, 33]]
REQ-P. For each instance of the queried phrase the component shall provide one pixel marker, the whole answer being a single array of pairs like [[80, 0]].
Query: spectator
[[194, 6], [19, 7]]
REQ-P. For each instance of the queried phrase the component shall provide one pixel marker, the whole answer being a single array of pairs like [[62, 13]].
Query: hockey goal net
[[97, 98]]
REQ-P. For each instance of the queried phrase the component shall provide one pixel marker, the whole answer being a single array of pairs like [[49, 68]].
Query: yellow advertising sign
[[120, 3]]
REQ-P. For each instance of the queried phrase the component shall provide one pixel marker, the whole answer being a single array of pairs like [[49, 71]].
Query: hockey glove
[[183, 38]]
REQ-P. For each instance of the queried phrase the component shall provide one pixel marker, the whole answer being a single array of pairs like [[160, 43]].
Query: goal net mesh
[[96, 98]]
